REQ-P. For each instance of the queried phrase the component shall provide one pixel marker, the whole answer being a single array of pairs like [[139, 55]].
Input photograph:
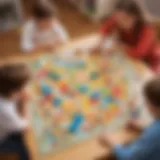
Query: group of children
[[44, 32], [134, 35]]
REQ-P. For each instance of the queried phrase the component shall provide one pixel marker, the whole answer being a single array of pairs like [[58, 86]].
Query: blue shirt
[[147, 147]]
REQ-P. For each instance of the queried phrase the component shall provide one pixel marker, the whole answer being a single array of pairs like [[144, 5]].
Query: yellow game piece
[[68, 106]]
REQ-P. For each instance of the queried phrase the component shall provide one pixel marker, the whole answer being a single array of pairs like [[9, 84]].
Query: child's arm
[[139, 150], [135, 126], [13, 122], [106, 29], [27, 43], [27, 40], [144, 44], [60, 32]]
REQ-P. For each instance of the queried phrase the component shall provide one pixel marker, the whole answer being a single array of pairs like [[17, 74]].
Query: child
[[13, 118], [136, 37], [43, 31], [147, 146]]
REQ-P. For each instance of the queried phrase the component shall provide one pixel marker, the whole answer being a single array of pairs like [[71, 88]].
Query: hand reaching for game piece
[[22, 103], [96, 49], [50, 46], [134, 125], [107, 140]]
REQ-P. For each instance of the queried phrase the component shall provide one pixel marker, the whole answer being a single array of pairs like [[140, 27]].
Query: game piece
[[76, 123], [94, 101], [64, 88], [108, 100], [48, 97], [42, 73], [94, 75], [46, 90], [57, 101], [95, 95], [53, 75], [117, 91], [82, 88], [80, 64]]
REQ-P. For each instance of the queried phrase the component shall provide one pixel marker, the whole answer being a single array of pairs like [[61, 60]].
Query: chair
[[10, 14]]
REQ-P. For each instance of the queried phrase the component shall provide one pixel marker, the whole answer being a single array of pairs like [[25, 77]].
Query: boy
[[43, 31], [13, 110], [146, 147]]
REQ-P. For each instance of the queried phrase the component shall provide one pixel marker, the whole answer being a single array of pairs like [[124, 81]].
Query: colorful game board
[[78, 98]]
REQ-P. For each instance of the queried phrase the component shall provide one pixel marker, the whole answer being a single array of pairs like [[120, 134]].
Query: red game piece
[[64, 88], [94, 101], [46, 99], [117, 91], [42, 73]]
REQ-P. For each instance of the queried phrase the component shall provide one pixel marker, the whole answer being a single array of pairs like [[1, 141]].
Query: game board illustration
[[76, 99]]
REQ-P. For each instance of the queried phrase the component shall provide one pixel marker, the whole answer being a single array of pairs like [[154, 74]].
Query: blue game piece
[[80, 64], [56, 102], [95, 95], [76, 123], [94, 75], [108, 99], [46, 90]]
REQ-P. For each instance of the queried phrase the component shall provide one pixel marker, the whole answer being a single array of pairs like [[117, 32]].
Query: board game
[[77, 98]]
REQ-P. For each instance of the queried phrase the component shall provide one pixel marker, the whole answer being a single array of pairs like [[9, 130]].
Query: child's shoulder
[[154, 129], [149, 28]]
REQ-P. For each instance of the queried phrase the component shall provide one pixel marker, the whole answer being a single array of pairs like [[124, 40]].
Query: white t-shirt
[[32, 36], [10, 121]]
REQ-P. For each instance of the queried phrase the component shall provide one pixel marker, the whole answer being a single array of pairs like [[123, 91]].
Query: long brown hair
[[132, 8]]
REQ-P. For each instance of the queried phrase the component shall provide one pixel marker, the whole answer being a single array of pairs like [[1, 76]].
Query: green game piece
[[54, 76], [82, 88], [80, 64], [94, 75]]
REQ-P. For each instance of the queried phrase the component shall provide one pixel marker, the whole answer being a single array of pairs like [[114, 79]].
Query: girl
[[43, 31], [136, 36]]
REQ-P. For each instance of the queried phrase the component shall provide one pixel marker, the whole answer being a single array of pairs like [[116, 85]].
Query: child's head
[[13, 80], [129, 14], [43, 14], [152, 95]]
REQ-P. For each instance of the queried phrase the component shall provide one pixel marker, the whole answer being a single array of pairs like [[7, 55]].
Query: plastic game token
[[76, 123], [53, 75], [95, 95], [57, 101], [46, 90], [94, 75], [83, 88], [64, 88]]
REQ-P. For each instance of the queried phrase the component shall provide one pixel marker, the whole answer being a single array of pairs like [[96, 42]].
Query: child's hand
[[107, 141], [96, 49], [49, 46], [24, 96], [134, 125], [108, 51], [22, 108]]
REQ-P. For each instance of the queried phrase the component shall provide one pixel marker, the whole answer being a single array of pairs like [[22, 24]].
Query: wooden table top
[[85, 151]]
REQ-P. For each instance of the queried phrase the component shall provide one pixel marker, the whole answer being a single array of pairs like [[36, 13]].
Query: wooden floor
[[76, 24]]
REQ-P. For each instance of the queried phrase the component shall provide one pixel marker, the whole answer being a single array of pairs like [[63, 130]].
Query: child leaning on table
[[43, 31], [136, 36], [147, 146], [13, 110]]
